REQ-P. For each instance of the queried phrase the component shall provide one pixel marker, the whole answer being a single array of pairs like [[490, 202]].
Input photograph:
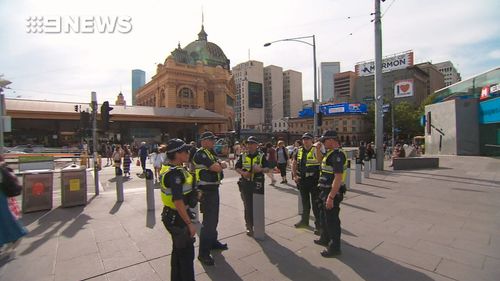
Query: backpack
[[9, 182]]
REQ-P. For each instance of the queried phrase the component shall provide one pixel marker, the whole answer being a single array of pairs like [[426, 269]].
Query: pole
[[2, 114], [393, 125], [150, 195], [315, 102], [379, 121], [94, 140]]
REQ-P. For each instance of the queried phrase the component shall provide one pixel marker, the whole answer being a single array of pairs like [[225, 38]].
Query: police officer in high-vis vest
[[208, 172], [251, 165], [305, 172], [177, 196], [331, 193]]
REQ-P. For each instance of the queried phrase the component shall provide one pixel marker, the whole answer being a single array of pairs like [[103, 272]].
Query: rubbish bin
[[37, 190], [73, 186]]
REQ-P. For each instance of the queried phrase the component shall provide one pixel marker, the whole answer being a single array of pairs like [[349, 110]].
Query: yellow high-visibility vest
[[166, 192]]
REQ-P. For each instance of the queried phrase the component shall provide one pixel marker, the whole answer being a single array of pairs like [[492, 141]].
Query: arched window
[[186, 98]]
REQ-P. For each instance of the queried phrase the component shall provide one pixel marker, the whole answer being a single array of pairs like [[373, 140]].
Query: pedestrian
[[11, 229], [370, 153], [282, 155], [251, 165], [109, 154], [177, 196], [143, 155], [332, 189], [117, 159], [158, 160], [305, 172], [127, 160], [209, 173], [361, 154], [270, 153], [296, 145]]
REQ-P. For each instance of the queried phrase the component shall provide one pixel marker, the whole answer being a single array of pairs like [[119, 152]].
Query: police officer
[[305, 172], [177, 196], [208, 171], [331, 194], [251, 165]]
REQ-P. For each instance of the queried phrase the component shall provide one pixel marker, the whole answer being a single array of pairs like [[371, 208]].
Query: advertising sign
[[255, 95], [390, 63], [489, 91], [403, 88], [489, 111]]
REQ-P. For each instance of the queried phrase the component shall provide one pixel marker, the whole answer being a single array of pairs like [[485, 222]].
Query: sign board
[[490, 91], [489, 111], [255, 99], [390, 63], [385, 108], [403, 88]]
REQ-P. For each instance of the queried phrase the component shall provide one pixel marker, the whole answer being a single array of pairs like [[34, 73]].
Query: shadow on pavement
[[115, 208], [373, 185], [432, 177], [290, 190], [358, 207], [292, 266], [222, 270], [151, 219], [371, 267], [55, 220], [357, 191]]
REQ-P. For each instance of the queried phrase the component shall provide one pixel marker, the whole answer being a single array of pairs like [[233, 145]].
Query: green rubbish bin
[[37, 190], [73, 186]]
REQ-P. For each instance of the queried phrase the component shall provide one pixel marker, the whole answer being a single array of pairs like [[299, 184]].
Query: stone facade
[[197, 76]]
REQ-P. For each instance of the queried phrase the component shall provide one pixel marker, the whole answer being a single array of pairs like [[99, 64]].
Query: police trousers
[[309, 192], [330, 220], [181, 261], [246, 192], [209, 206]]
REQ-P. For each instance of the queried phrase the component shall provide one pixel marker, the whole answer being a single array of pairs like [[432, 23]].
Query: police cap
[[329, 134], [177, 145], [307, 136], [208, 136], [252, 139]]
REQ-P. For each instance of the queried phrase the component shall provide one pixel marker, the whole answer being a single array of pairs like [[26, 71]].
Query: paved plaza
[[441, 224]]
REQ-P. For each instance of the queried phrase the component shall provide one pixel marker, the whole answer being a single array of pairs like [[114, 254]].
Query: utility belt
[[325, 187], [173, 213]]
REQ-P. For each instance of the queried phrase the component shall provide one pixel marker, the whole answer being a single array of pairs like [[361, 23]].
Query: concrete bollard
[[259, 225], [373, 164], [348, 175], [150, 193], [119, 184], [358, 171], [367, 169]]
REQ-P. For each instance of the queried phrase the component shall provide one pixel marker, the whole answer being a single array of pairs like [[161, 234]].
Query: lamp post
[[315, 101]]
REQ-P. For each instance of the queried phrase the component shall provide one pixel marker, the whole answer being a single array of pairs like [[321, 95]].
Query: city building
[[292, 93], [280, 125], [328, 71], [196, 76], [307, 103], [249, 80], [54, 123], [138, 80], [351, 128], [120, 100], [411, 84], [465, 117], [451, 75], [265, 94], [344, 86], [273, 95]]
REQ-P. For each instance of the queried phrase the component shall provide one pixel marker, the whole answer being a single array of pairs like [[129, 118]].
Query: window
[[353, 129], [345, 129], [344, 122]]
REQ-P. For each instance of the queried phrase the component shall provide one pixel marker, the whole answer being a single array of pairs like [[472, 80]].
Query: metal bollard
[[348, 175], [373, 164], [358, 170], [150, 193], [119, 184], [259, 226], [367, 169]]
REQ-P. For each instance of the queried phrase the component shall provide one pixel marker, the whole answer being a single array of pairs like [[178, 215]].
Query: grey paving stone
[[79, 267], [140, 272], [450, 253], [462, 272], [410, 256]]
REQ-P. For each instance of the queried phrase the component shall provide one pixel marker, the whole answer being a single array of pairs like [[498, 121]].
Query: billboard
[[255, 99], [389, 63], [403, 88], [338, 108]]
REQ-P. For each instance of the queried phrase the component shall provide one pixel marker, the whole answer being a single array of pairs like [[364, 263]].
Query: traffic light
[[105, 116], [320, 119]]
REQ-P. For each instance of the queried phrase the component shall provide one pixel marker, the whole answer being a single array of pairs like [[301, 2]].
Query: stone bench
[[414, 163]]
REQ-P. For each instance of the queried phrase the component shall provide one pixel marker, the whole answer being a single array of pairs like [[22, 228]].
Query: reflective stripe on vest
[[328, 170], [311, 159], [166, 192], [247, 162], [201, 167]]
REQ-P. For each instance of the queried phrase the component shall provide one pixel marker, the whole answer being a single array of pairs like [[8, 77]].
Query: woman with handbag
[[11, 230]]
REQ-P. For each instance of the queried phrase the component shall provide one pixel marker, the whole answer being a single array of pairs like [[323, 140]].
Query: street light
[[315, 102]]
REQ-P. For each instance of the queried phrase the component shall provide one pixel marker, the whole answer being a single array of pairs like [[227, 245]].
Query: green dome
[[201, 50]]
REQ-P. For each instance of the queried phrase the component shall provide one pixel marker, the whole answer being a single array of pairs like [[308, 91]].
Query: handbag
[[9, 183]]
